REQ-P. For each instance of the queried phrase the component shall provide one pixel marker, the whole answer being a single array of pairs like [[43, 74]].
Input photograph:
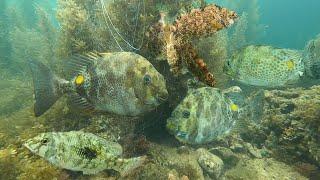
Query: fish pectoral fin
[[90, 172], [80, 103]]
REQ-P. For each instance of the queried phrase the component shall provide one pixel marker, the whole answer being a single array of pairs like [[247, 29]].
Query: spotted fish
[[266, 66], [122, 83], [205, 114], [80, 151]]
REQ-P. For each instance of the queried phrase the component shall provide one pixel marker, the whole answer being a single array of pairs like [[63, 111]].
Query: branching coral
[[177, 38]]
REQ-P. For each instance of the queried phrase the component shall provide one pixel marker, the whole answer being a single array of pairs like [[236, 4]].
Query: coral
[[262, 169], [290, 120], [177, 38]]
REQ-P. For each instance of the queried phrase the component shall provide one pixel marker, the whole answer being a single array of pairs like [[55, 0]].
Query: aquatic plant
[[103, 25], [25, 39]]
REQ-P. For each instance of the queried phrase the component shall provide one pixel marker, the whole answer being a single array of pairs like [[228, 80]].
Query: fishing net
[[102, 25]]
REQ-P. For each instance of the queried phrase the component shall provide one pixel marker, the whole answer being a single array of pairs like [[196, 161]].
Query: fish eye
[[44, 141], [186, 114], [182, 134], [228, 63], [147, 79]]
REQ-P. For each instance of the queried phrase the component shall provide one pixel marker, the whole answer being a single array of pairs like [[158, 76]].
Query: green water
[[262, 121]]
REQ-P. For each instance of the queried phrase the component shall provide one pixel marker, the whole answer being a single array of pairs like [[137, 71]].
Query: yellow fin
[[290, 65], [79, 80], [234, 107]]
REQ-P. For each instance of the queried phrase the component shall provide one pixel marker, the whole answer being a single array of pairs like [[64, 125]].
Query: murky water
[[135, 89]]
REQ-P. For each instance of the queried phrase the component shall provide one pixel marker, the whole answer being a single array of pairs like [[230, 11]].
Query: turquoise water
[[135, 89]]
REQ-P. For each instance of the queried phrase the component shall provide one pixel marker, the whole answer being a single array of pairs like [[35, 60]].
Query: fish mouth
[[163, 97], [28, 147]]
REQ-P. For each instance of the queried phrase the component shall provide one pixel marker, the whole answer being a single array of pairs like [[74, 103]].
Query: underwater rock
[[291, 122], [263, 169], [266, 66], [204, 115], [210, 163], [229, 158], [185, 164]]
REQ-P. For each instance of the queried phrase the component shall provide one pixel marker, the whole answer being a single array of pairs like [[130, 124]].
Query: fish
[[266, 66], [122, 83], [81, 151], [204, 115]]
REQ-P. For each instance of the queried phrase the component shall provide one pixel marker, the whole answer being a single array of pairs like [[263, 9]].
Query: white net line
[[115, 32]]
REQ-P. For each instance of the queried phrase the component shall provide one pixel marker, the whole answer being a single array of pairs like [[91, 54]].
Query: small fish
[[266, 66], [80, 151], [205, 114], [122, 83]]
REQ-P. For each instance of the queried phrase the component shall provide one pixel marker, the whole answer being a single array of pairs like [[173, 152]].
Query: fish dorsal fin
[[79, 63], [80, 103], [94, 55]]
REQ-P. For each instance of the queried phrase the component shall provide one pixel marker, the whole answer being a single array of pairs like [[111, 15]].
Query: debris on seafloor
[[176, 38]]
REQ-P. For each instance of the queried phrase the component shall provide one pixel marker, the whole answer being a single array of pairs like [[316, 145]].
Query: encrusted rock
[[210, 163], [228, 157], [262, 169]]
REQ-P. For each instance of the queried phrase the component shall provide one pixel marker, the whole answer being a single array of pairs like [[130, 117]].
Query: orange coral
[[204, 22], [177, 38]]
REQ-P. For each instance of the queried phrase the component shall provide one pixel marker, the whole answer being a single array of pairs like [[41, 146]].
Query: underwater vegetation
[[161, 76]]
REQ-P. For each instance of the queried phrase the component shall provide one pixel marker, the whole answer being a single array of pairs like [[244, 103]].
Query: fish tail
[[45, 87], [127, 166], [251, 113], [311, 62]]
